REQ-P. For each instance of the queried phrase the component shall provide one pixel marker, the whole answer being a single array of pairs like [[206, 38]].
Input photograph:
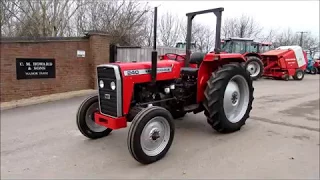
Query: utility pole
[[301, 37]]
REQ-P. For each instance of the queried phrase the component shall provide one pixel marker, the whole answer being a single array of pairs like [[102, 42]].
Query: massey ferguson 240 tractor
[[151, 94]]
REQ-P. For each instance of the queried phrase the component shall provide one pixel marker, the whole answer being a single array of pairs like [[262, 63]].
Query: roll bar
[[191, 15]]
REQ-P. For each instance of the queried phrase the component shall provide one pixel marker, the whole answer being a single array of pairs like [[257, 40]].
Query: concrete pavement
[[280, 140], [45, 98]]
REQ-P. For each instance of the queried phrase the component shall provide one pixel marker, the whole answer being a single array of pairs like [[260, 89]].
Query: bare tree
[[34, 18], [169, 29], [310, 42], [202, 35], [204, 38], [243, 27], [286, 38], [123, 20], [228, 28], [148, 26], [270, 36]]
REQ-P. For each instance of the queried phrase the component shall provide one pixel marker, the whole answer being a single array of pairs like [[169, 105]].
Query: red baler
[[284, 62]]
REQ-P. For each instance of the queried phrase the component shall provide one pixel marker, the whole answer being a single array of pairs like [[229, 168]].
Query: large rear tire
[[85, 119], [151, 134], [228, 98], [255, 67]]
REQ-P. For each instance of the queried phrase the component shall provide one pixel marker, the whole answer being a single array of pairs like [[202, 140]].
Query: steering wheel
[[177, 55]]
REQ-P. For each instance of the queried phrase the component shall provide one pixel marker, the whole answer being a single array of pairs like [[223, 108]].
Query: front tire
[[255, 67], [228, 98], [85, 119], [151, 134]]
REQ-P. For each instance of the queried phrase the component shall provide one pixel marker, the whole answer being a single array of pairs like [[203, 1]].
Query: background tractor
[[182, 45], [151, 94], [316, 58], [311, 65], [251, 51]]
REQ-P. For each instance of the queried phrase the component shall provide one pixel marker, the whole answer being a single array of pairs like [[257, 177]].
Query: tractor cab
[[245, 45], [264, 47], [239, 45]]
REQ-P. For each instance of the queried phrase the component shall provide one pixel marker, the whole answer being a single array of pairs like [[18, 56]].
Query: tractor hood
[[142, 70]]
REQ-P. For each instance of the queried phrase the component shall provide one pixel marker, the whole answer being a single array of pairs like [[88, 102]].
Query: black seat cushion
[[197, 58], [189, 71]]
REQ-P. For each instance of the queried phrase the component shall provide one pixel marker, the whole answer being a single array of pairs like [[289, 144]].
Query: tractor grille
[[108, 98]]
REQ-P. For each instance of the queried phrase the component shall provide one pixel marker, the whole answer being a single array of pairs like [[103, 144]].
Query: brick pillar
[[99, 53]]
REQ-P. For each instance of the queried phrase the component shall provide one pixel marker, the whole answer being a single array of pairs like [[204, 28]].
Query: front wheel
[[151, 134], [228, 98], [85, 119]]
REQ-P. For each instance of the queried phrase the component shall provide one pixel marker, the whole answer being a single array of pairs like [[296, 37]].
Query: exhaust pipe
[[154, 54]]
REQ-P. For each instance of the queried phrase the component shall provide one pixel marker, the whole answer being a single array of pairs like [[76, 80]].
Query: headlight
[[101, 84], [113, 85]]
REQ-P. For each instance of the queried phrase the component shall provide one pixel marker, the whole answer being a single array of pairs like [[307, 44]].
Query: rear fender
[[206, 69]]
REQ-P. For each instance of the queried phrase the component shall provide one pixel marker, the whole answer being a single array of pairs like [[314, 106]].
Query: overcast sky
[[298, 15]]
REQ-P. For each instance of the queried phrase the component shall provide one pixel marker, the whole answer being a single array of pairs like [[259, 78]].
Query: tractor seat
[[189, 71], [196, 58]]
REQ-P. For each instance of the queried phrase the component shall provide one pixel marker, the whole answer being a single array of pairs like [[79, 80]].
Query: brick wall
[[72, 72]]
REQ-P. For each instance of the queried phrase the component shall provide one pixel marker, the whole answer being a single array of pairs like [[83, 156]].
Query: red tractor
[[251, 51], [151, 94]]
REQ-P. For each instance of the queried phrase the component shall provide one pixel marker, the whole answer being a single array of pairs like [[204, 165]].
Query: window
[[239, 47], [226, 47]]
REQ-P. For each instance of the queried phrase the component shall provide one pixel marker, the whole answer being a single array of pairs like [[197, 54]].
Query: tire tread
[[213, 100]]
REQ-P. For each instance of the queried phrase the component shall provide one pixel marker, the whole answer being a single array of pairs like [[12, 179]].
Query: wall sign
[[81, 53], [35, 68]]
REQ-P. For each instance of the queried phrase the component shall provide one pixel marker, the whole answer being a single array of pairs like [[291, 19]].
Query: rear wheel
[[314, 70], [151, 134], [299, 75], [85, 119], [255, 67], [228, 98]]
